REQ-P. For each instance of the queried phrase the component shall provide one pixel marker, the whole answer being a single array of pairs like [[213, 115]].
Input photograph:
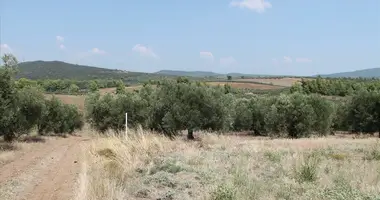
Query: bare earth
[[44, 171]]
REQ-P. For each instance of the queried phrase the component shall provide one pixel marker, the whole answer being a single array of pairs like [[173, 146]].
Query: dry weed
[[149, 166]]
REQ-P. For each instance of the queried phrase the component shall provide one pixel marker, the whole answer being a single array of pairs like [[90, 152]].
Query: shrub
[[244, 116], [8, 105], [59, 118], [31, 104], [364, 112], [108, 112], [223, 192]]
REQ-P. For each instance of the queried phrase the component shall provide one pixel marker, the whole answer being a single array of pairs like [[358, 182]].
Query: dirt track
[[46, 172]]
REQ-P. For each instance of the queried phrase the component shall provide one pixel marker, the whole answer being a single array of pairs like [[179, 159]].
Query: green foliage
[[336, 86], [224, 192], [244, 117], [183, 105], [364, 112], [73, 89], [8, 105], [31, 105], [59, 118], [120, 87], [308, 170], [108, 112], [93, 86]]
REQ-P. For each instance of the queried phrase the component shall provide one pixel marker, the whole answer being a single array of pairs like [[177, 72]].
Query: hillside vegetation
[[364, 73], [63, 70]]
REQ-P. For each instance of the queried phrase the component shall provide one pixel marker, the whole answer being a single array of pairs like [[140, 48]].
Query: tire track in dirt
[[50, 175], [14, 167]]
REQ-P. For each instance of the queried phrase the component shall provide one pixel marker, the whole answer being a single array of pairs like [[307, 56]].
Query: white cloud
[[255, 5], [227, 60], [303, 60], [98, 51], [206, 55], [61, 46], [288, 59], [60, 38], [145, 51], [5, 48]]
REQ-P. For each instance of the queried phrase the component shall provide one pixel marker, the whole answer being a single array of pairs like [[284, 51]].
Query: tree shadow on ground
[[32, 139], [7, 146]]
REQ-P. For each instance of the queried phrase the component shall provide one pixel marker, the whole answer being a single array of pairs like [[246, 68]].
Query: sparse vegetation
[[244, 169]]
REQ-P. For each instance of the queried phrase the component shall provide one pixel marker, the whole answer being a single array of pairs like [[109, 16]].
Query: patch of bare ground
[[246, 85], [41, 168], [286, 82], [230, 167], [77, 100]]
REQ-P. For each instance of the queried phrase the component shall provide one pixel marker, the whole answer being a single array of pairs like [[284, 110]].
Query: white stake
[[126, 124]]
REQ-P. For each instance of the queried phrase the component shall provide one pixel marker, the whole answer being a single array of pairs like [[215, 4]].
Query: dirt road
[[46, 172]]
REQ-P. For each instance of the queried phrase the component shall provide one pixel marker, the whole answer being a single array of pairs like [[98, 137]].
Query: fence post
[[126, 124]]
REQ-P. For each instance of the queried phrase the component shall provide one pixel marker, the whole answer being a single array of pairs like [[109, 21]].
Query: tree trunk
[[190, 134], [8, 137]]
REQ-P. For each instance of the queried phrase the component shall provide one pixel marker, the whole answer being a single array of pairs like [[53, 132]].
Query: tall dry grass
[[149, 166]]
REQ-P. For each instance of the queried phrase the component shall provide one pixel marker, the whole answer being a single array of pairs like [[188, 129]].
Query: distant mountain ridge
[[364, 73], [62, 70]]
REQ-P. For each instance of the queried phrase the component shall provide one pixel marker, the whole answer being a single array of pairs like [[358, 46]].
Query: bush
[[108, 112], [59, 118], [364, 112], [30, 102], [8, 105]]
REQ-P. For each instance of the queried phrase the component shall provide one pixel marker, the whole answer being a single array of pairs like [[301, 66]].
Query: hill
[[63, 70], [365, 73]]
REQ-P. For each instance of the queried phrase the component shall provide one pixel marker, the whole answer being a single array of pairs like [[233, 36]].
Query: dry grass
[[148, 166], [247, 85]]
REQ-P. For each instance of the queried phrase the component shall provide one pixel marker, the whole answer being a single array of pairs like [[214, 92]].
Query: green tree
[[120, 87], [73, 89], [93, 86]]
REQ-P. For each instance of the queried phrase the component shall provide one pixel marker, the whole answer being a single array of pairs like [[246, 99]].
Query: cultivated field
[[286, 82], [231, 167], [113, 90], [247, 85]]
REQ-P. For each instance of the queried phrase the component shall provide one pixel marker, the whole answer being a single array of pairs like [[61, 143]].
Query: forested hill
[[63, 70], [365, 73]]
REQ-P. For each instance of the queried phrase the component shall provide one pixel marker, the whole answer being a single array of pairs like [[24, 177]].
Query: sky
[[277, 37]]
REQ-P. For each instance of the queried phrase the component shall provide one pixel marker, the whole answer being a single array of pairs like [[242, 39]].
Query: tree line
[[68, 86], [24, 109], [173, 106], [337, 86]]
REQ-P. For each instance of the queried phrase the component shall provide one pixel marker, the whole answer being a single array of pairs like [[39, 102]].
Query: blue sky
[[295, 37]]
